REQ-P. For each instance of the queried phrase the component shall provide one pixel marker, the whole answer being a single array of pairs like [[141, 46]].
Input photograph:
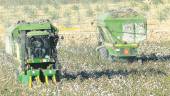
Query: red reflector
[[126, 51]]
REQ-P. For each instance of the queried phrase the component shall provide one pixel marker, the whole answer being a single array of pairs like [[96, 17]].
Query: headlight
[[47, 57]]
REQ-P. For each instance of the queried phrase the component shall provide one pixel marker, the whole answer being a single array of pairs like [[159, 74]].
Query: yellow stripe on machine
[[63, 28]]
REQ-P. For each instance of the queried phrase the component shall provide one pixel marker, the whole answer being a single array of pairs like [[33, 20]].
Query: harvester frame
[[120, 37], [34, 46]]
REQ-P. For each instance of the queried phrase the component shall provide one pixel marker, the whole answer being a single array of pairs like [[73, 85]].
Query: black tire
[[131, 59], [140, 61], [103, 53], [58, 72], [58, 75]]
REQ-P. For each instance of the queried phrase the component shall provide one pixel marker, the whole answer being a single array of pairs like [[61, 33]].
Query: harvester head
[[34, 46]]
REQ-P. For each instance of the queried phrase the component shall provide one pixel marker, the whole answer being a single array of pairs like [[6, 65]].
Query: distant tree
[[146, 5], [164, 13], [75, 7], [114, 1], [46, 9], [89, 12], [54, 15], [90, 1], [98, 8], [31, 12], [56, 4], [157, 2], [68, 17], [26, 9]]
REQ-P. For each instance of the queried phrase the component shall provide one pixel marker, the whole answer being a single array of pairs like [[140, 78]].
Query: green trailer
[[34, 46], [120, 33]]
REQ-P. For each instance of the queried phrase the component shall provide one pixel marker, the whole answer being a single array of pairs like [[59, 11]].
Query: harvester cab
[[120, 32], [34, 46]]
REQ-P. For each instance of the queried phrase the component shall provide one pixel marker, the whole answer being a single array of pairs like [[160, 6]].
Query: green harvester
[[120, 33], [34, 46]]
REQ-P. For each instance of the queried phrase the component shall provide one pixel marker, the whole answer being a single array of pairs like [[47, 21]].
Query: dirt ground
[[84, 72]]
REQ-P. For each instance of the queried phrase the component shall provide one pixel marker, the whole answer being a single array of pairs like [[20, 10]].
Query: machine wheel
[[58, 72], [111, 59], [140, 61], [103, 53], [58, 75]]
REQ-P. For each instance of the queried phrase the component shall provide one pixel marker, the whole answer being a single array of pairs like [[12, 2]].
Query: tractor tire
[[140, 61], [103, 53], [110, 58], [59, 72], [58, 75]]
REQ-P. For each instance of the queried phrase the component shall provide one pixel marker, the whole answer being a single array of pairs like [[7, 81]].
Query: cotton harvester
[[120, 32], [34, 46]]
